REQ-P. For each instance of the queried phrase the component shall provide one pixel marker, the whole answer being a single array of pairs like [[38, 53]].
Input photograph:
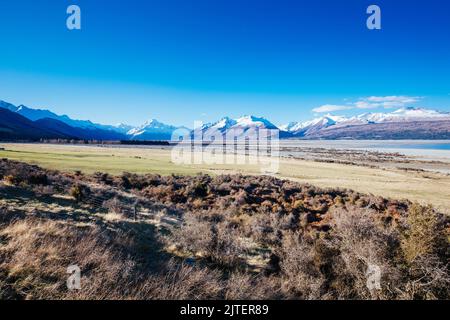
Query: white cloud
[[363, 105], [388, 101], [372, 102], [331, 108], [399, 99]]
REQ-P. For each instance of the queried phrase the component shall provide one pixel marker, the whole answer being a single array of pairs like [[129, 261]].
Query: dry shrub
[[212, 239], [425, 248], [194, 235], [300, 275], [115, 205], [198, 189], [79, 192], [10, 179], [180, 282], [422, 233], [264, 229], [321, 242], [38, 178], [428, 279], [134, 181], [244, 286], [183, 281], [105, 178], [37, 252], [35, 255], [362, 243], [44, 190], [18, 173], [335, 265]]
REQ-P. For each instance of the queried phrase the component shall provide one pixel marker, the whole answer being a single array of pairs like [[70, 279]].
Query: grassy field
[[424, 187]]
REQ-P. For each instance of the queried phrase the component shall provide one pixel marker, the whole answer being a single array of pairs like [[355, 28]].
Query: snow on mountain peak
[[156, 130], [242, 123], [419, 112], [252, 121], [317, 123], [153, 123], [152, 128], [403, 114], [223, 123]]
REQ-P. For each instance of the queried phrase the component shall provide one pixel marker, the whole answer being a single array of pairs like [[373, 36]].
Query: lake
[[426, 149]]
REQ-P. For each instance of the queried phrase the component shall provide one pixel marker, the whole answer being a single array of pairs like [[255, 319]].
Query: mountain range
[[24, 123]]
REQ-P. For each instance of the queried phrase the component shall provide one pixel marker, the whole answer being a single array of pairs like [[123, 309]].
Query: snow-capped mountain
[[38, 114], [312, 127], [244, 122], [221, 126], [248, 122], [152, 130], [244, 125], [328, 126], [303, 128], [401, 115]]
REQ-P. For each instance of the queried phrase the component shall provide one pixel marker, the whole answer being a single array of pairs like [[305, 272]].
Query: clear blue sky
[[180, 61]]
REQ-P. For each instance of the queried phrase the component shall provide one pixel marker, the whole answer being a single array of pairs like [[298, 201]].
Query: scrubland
[[230, 236], [425, 187]]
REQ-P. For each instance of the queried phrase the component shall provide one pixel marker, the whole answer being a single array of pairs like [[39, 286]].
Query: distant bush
[[118, 206], [134, 181], [198, 190], [79, 192], [38, 179], [44, 190], [10, 179], [104, 178]]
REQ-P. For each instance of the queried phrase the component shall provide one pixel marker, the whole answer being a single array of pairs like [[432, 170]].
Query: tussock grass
[[200, 237]]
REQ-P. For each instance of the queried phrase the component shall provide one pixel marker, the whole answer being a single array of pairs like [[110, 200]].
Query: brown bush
[[10, 179], [37, 253], [79, 192], [425, 248], [243, 286], [182, 282], [115, 205], [421, 233], [212, 239], [38, 179], [362, 242], [300, 276]]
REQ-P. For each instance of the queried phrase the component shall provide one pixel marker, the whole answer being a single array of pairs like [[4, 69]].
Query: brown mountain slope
[[391, 130]]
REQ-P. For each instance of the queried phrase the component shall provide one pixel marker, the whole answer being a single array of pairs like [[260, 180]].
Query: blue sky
[[180, 61]]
